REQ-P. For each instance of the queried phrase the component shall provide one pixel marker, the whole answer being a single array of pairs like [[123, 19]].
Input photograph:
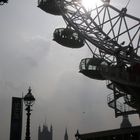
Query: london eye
[[113, 37]]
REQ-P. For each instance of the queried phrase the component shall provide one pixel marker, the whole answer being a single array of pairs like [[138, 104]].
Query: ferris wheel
[[113, 37]]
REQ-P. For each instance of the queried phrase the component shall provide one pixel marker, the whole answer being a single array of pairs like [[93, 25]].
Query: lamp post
[[28, 101]]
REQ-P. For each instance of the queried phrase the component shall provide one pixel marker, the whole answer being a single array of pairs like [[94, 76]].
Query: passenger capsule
[[133, 101], [3, 1], [50, 6], [68, 38], [90, 67]]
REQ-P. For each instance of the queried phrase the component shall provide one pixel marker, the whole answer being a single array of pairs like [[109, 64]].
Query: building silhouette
[[44, 133], [47, 134], [125, 132]]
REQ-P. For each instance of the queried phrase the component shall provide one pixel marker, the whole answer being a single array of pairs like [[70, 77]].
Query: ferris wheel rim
[[109, 51]]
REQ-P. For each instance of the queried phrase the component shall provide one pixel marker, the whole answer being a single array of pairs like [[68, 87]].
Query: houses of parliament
[[45, 133]]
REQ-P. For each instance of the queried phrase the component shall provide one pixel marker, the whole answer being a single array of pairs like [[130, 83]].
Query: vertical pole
[[27, 137]]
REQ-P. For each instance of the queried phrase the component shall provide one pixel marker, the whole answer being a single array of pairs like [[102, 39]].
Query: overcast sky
[[29, 57]]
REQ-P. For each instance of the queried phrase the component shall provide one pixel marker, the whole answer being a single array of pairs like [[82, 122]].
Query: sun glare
[[90, 4]]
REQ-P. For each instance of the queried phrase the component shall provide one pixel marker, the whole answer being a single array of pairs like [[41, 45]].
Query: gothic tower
[[45, 133]]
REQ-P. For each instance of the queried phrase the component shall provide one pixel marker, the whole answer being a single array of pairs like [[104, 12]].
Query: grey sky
[[29, 57]]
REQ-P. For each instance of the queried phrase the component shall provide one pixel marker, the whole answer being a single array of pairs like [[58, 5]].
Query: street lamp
[[28, 101]]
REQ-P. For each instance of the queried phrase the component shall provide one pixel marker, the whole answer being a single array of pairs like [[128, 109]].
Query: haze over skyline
[[29, 57]]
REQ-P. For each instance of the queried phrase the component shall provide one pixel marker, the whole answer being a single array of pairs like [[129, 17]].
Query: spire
[[51, 128], [45, 126], [77, 135], [51, 132], [39, 132], [45, 121], [39, 128], [125, 122], [66, 135]]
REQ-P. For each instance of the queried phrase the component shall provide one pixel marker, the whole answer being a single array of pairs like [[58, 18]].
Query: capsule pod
[[3, 1], [68, 38], [90, 67], [133, 101], [50, 6]]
